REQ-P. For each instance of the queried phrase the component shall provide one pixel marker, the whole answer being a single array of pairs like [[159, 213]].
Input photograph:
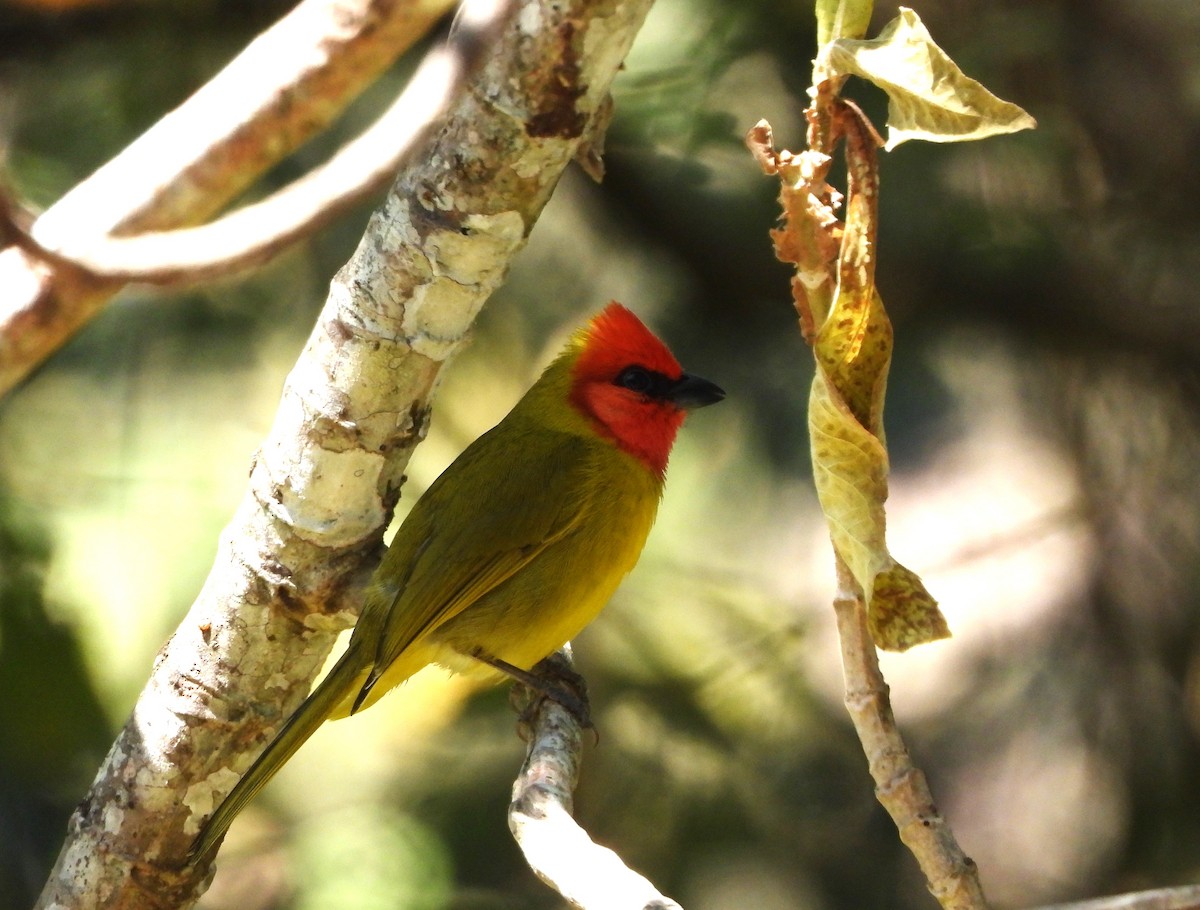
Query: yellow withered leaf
[[853, 349], [842, 19], [843, 318], [929, 97], [850, 471], [850, 468], [902, 612], [854, 344]]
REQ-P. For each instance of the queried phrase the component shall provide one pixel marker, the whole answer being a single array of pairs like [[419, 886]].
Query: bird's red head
[[632, 388]]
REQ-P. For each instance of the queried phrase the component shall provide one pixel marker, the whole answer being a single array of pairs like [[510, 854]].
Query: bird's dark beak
[[691, 392]]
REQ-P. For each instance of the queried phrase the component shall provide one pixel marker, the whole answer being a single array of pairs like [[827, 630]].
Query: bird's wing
[[450, 555]]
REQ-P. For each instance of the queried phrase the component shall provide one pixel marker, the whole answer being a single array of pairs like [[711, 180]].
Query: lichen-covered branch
[[323, 485], [288, 85], [562, 853]]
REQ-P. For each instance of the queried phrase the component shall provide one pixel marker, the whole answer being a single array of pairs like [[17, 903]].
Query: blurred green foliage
[[1044, 422]]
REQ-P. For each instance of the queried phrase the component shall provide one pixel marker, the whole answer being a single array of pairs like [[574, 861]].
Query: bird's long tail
[[341, 680]]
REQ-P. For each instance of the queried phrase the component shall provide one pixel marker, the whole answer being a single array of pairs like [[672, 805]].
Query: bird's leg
[[552, 678]]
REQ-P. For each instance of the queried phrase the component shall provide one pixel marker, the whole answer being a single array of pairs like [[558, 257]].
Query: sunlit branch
[[288, 85], [252, 235], [562, 853]]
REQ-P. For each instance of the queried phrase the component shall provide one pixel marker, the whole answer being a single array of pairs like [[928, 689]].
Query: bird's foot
[[554, 679]]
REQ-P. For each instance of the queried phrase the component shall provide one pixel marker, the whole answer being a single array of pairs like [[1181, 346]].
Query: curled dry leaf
[[808, 237], [850, 468], [842, 19], [843, 318], [929, 97]]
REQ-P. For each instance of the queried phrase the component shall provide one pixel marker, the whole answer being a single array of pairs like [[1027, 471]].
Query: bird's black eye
[[636, 379]]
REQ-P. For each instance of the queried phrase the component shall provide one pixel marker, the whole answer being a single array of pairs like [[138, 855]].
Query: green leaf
[[929, 97], [842, 19]]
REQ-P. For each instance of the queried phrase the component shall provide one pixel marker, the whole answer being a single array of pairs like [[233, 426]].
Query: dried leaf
[[843, 318], [929, 96], [853, 348], [850, 468], [842, 19], [809, 236], [854, 344], [902, 613]]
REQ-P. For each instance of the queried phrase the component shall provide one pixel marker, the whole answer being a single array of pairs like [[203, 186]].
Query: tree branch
[[1185, 897], [253, 234], [288, 85], [900, 787], [562, 854], [290, 564]]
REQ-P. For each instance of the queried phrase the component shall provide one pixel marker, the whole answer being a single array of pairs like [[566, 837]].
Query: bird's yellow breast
[[538, 609]]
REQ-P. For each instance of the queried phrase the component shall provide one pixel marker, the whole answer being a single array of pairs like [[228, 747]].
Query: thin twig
[[900, 786], [559, 851]]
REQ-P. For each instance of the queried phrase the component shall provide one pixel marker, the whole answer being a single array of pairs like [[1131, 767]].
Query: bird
[[518, 544]]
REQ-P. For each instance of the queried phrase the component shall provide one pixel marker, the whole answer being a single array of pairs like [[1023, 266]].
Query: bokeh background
[[1044, 422]]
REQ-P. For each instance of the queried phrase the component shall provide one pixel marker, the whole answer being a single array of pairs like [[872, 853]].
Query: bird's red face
[[633, 389]]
